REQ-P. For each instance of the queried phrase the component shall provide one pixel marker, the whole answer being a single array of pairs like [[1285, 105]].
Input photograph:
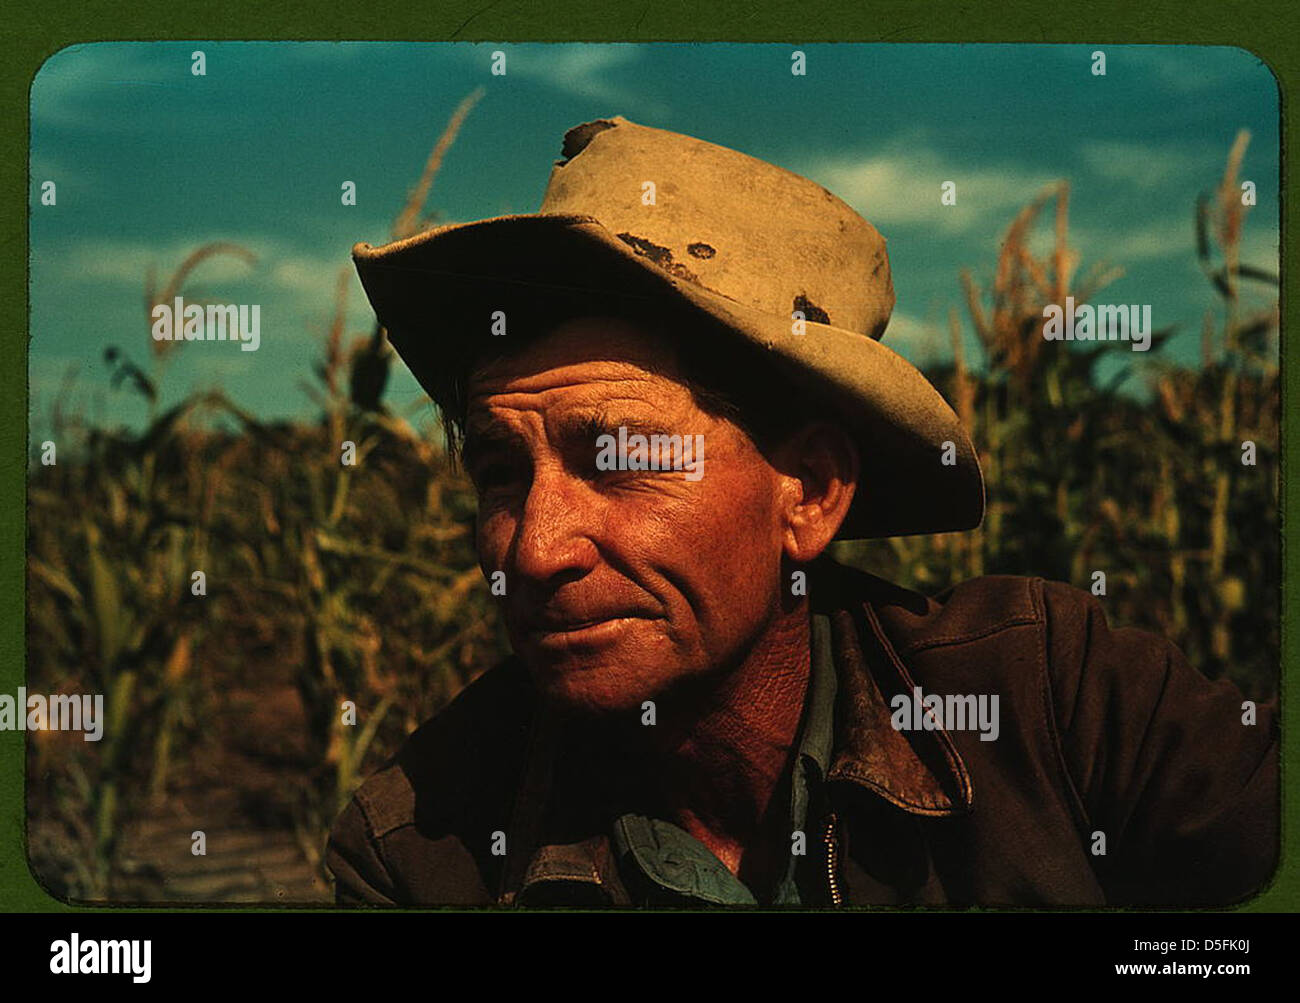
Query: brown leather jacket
[[1102, 731]]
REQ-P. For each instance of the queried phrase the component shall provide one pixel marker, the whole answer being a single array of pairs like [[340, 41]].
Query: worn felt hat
[[773, 263]]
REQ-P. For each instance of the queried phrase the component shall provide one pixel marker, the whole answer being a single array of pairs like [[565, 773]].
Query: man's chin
[[594, 690]]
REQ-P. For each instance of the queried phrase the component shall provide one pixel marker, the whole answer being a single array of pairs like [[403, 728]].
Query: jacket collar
[[919, 771]]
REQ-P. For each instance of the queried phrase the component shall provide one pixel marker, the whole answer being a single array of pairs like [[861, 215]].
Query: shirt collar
[[817, 738]]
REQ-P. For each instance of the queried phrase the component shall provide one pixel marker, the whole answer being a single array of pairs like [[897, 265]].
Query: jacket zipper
[[832, 861]]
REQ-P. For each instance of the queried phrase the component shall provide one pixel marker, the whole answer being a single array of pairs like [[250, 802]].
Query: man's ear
[[819, 476]]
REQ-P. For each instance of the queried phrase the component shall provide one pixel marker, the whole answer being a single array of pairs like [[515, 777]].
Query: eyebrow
[[485, 436], [587, 428]]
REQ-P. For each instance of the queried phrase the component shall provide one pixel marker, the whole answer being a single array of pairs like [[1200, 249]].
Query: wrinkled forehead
[[595, 350]]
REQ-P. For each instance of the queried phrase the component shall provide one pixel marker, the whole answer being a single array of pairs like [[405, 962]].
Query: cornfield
[[325, 583]]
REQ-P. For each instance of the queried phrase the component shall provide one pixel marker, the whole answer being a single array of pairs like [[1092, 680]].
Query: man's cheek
[[728, 522]]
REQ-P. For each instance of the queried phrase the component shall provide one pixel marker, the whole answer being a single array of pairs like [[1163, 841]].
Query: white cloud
[[902, 186], [311, 275], [130, 261], [920, 342], [1172, 237], [1122, 243], [1140, 165], [300, 288], [586, 71]]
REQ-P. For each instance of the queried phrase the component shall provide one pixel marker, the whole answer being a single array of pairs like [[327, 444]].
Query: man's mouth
[[553, 631]]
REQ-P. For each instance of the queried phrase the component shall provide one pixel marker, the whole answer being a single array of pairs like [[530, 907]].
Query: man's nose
[[551, 542]]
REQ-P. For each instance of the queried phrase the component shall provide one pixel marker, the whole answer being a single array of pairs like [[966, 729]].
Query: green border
[[1268, 28]]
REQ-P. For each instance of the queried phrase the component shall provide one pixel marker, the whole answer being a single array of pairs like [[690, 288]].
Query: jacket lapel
[[919, 771]]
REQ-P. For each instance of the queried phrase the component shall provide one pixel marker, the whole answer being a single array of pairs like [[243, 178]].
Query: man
[[671, 398]]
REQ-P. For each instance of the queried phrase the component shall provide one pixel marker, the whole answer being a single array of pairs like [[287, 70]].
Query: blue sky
[[151, 161]]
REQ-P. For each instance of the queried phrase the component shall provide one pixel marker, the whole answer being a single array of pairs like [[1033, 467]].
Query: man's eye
[[494, 476], [601, 468]]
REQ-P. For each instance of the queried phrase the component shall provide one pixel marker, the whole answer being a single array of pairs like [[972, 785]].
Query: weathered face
[[619, 582]]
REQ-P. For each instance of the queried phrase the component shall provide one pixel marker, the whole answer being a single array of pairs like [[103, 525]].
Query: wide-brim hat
[[778, 266]]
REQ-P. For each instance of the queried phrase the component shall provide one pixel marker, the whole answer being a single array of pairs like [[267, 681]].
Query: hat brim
[[437, 290]]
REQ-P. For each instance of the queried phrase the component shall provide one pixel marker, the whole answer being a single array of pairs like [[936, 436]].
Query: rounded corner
[[68, 902], [1262, 60], [65, 48]]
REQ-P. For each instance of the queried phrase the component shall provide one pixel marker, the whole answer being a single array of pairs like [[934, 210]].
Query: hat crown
[[728, 222]]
